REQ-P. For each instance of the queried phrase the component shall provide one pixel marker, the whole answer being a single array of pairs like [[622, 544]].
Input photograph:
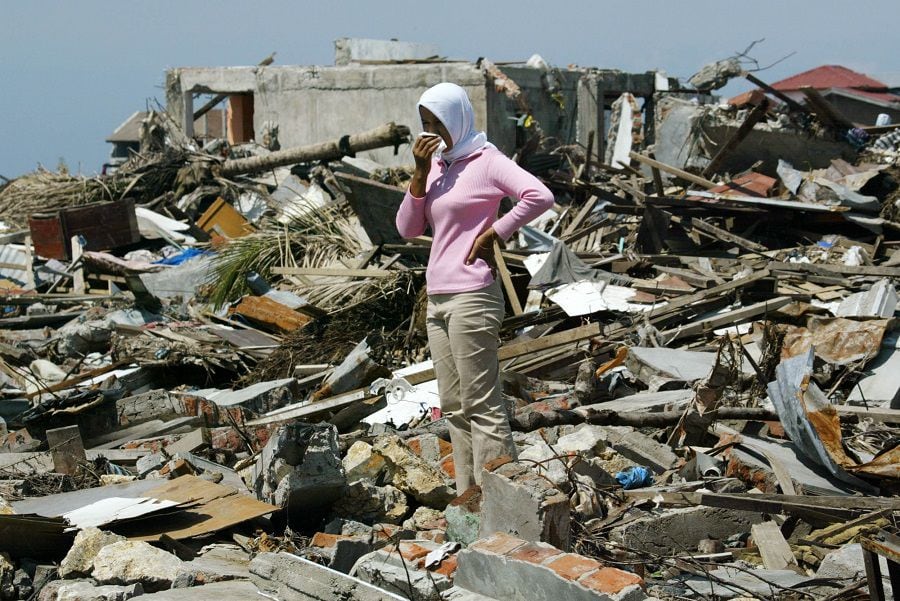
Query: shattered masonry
[[215, 372]]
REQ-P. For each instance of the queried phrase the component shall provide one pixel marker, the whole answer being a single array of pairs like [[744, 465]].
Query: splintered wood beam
[[756, 115], [824, 110], [507, 281], [689, 177], [795, 106]]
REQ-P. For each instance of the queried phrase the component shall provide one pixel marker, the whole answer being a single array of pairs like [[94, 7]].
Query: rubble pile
[[215, 374]]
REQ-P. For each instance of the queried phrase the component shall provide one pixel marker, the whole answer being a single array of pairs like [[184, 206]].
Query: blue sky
[[71, 71]]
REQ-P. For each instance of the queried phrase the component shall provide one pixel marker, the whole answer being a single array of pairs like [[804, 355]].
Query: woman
[[457, 193]]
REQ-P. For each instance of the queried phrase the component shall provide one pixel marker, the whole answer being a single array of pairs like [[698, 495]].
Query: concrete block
[[463, 516], [293, 578], [506, 567], [413, 475], [368, 503], [300, 468], [847, 564], [129, 562], [585, 439], [682, 529], [339, 551], [361, 463], [430, 448], [154, 404], [646, 452], [519, 502], [546, 462]]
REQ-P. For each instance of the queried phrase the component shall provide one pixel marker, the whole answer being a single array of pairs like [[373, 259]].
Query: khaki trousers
[[463, 335]]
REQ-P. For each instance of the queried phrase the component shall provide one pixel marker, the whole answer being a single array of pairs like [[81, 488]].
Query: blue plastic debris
[[635, 477]]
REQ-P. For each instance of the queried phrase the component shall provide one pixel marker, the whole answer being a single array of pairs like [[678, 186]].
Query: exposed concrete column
[[187, 122]]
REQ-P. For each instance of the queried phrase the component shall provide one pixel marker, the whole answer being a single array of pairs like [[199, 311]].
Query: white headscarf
[[450, 104]]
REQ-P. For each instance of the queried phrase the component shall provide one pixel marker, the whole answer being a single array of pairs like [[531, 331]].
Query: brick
[[447, 567], [412, 551], [535, 553], [448, 467], [493, 464], [499, 543], [445, 447], [321, 539], [571, 566], [435, 536], [611, 580]]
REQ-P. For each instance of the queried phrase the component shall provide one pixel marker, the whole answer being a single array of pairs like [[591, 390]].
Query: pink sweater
[[461, 202]]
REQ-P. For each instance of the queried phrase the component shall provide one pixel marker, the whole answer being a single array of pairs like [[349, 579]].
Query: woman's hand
[[483, 247], [423, 149]]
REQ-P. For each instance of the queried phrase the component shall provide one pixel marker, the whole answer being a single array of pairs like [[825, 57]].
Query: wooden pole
[[389, 134]]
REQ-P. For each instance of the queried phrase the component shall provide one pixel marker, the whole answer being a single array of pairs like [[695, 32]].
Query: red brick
[[447, 567], [448, 467], [385, 531], [437, 536], [321, 539], [571, 566], [445, 447], [493, 464], [415, 445], [412, 551], [499, 543], [534, 553], [610, 580], [470, 499]]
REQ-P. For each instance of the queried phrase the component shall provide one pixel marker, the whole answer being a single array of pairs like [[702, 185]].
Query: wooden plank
[[717, 233], [731, 318], [78, 275], [70, 382], [795, 106], [775, 551], [507, 281], [690, 177], [837, 270], [334, 272], [824, 110], [66, 449], [756, 115], [581, 216]]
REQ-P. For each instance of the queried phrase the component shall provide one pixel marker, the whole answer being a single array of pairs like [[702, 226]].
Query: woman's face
[[433, 125]]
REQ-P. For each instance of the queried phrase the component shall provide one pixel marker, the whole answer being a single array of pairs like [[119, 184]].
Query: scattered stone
[[129, 562], [79, 561], [361, 463], [586, 440], [426, 518], [87, 591], [366, 502], [411, 474]]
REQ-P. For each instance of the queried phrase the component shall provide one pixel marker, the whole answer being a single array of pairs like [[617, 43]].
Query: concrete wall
[[313, 104], [316, 104]]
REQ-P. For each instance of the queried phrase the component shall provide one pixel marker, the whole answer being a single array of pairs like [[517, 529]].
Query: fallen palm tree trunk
[[389, 134], [591, 414]]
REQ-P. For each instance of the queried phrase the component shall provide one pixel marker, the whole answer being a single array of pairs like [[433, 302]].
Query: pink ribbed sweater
[[461, 202]]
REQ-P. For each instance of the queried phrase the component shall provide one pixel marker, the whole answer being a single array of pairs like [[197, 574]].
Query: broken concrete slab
[[293, 578], [518, 501], [400, 568], [339, 551], [79, 590], [682, 528], [463, 516]]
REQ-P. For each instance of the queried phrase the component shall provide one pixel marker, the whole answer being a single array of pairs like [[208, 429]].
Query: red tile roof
[[829, 76]]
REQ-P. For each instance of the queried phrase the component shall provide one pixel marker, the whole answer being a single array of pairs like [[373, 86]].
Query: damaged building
[[216, 380]]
